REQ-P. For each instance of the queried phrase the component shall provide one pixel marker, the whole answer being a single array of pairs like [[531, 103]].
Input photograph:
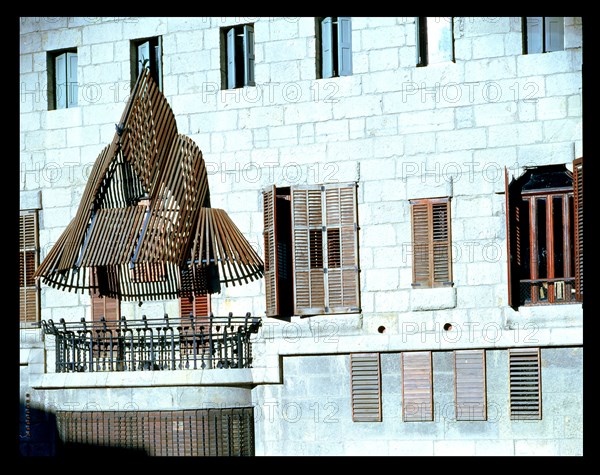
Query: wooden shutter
[[60, 89], [72, 87], [28, 262], [365, 383], [554, 33], [158, 62], [341, 249], [470, 385], [271, 255], [326, 48], [513, 241], [249, 55], [231, 59], [534, 34], [307, 238], [578, 205], [431, 241], [198, 305], [344, 40], [107, 307], [417, 386], [525, 383]]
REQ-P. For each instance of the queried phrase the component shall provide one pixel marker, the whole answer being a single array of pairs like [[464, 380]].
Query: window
[[470, 385], [431, 242], [545, 236], [29, 307], [62, 79], [417, 386], [525, 383], [105, 307], [311, 250], [543, 34], [435, 40], [238, 56], [147, 53], [196, 305], [334, 47], [365, 382]]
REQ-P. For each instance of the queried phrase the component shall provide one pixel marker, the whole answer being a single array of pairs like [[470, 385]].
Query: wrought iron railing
[[547, 291], [153, 344]]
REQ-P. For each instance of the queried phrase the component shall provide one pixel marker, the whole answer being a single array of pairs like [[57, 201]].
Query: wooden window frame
[[470, 398], [29, 295], [429, 264]]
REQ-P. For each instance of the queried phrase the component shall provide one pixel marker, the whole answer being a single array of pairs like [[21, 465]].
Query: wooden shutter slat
[[470, 385], [578, 207], [417, 386], [525, 383], [365, 383], [28, 262], [271, 251]]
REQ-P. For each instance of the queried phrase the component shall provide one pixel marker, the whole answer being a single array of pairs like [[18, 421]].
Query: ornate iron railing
[[153, 344]]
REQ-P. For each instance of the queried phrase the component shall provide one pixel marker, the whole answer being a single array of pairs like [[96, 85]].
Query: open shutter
[[470, 385], [72, 87], [513, 243], [60, 90], [417, 386], [307, 238], [143, 52], [525, 383], [554, 33], [365, 382], [28, 256], [344, 40], [578, 194], [158, 63], [231, 59], [341, 251], [534, 30], [249, 55], [420, 244], [441, 242], [326, 48], [271, 256]]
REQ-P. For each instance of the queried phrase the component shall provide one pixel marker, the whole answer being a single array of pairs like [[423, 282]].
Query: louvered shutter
[[72, 86], [271, 255], [198, 306], [344, 40], [420, 244], [534, 29], [554, 33], [470, 385], [28, 262], [440, 217], [417, 386], [249, 55], [107, 307], [307, 238], [231, 59], [326, 48], [525, 383], [60, 89], [365, 383], [578, 205], [342, 248], [513, 242]]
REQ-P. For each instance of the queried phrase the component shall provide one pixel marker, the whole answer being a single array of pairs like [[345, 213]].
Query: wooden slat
[[578, 209], [470, 385], [417, 386], [365, 383], [525, 383], [271, 255]]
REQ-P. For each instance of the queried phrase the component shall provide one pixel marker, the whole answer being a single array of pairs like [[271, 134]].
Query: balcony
[[548, 291], [165, 344]]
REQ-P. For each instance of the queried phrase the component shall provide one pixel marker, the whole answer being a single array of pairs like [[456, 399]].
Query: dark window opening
[[147, 53]]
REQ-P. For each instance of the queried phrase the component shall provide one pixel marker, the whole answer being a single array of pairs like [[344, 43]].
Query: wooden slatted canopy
[[145, 211]]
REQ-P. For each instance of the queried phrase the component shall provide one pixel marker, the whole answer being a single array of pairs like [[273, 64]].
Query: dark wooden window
[[431, 242], [525, 377], [365, 382], [434, 39], [545, 236], [417, 386], [102, 306], [238, 56], [147, 53], [334, 47], [311, 250], [543, 34], [29, 307], [470, 385]]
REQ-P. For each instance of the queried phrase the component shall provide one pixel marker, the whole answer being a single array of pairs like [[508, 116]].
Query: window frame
[[155, 59], [102, 306], [56, 88], [333, 47], [422, 42], [542, 44], [238, 56], [27, 248]]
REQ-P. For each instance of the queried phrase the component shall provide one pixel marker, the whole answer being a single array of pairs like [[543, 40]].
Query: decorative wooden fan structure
[[144, 229]]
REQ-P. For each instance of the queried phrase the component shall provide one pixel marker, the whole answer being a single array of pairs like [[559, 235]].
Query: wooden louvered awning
[[147, 204]]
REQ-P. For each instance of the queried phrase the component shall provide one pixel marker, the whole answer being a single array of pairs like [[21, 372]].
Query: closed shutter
[[28, 262], [420, 244], [72, 86], [60, 89], [249, 55], [231, 59], [102, 306], [417, 386], [197, 305], [525, 383], [344, 40], [534, 34], [365, 382], [578, 194], [554, 33], [470, 385], [271, 255], [326, 48]]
